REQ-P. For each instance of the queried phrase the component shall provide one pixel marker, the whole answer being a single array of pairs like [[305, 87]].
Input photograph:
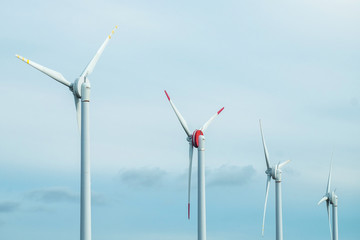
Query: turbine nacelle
[[332, 197], [195, 137], [274, 172], [76, 86]]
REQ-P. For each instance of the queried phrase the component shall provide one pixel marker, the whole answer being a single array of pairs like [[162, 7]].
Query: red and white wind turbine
[[197, 140]]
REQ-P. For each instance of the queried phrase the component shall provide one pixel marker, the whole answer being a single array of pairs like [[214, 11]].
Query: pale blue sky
[[294, 64]]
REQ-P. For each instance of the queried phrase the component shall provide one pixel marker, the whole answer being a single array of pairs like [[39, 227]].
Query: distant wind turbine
[[273, 172], [197, 140], [331, 198], [81, 91]]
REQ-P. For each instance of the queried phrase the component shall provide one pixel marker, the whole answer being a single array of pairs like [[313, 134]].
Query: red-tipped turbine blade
[[206, 125], [181, 119], [189, 211]]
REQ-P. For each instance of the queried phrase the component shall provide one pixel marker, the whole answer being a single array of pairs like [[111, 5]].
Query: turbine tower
[[197, 140], [273, 172], [81, 91], [331, 198]]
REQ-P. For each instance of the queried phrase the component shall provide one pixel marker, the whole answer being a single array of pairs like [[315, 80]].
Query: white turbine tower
[[197, 140], [331, 198], [273, 172], [81, 91]]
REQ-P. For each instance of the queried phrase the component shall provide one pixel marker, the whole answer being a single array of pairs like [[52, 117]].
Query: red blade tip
[[220, 111], [167, 95], [188, 210]]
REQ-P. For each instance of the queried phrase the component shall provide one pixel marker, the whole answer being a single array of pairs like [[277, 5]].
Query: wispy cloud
[[230, 175], [142, 177], [62, 194], [6, 207], [53, 195], [98, 199]]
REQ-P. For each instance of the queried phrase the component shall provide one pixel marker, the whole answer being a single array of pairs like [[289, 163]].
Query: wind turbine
[[197, 140], [273, 172], [331, 198], [81, 91]]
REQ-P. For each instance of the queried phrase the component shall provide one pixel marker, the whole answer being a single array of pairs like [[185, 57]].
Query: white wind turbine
[[273, 172], [81, 91], [331, 198], [197, 140]]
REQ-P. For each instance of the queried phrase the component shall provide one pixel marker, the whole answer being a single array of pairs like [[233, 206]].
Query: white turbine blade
[[190, 167], [283, 164], [329, 179], [90, 67], [265, 149], [205, 126], [266, 197], [78, 111], [325, 198], [51, 73], [328, 212], [181, 119]]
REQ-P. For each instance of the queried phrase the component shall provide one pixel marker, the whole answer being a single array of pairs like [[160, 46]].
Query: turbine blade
[[325, 198], [190, 167], [90, 67], [283, 164], [266, 197], [181, 119], [265, 149], [328, 212], [205, 126], [78, 111], [51, 73]]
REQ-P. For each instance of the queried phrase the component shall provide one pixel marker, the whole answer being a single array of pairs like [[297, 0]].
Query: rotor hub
[[76, 86], [195, 138], [332, 197], [275, 173]]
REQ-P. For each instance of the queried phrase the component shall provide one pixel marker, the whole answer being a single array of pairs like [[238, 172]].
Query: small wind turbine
[[81, 91], [331, 198], [274, 173], [197, 140]]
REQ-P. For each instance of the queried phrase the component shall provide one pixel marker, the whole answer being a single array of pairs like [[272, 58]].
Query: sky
[[292, 64]]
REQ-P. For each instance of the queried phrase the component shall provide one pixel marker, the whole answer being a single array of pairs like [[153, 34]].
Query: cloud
[[230, 175], [53, 195], [62, 194], [226, 175], [98, 199], [6, 207], [142, 177]]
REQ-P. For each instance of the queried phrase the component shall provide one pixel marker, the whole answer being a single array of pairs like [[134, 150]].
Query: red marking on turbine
[[167, 95], [195, 138], [188, 210], [220, 111]]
